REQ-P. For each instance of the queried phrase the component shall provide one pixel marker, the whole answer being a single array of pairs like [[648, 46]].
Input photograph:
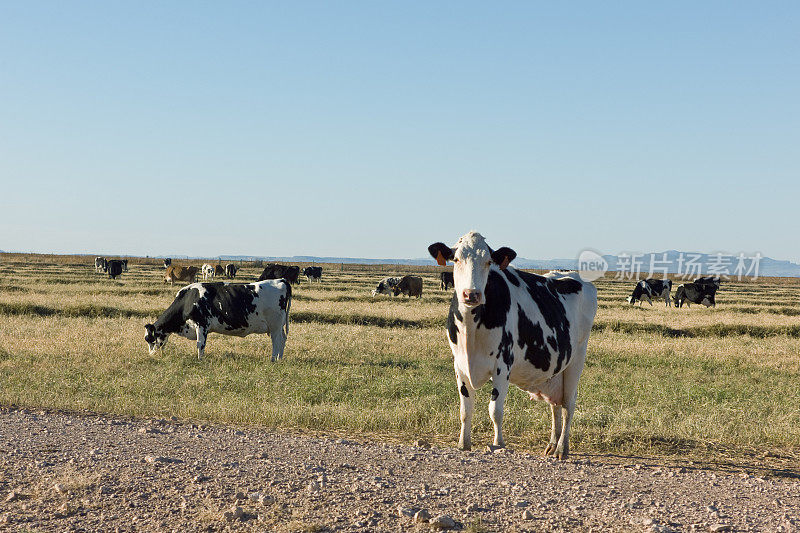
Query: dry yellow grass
[[658, 380]]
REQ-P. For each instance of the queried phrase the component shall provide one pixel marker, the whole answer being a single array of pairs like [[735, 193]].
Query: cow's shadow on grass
[[695, 455]]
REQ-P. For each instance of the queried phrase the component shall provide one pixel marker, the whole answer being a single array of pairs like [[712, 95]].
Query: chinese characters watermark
[[632, 266]]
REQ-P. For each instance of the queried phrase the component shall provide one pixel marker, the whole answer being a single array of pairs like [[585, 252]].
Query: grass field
[[690, 382]]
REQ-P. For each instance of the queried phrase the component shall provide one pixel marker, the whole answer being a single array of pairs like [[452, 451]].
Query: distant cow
[[229, 309], [698, 293], [207, 271], [219, 271], [410, 286], [447, 280], [292, 274], [651, 289], [313, 273], [124, 265], [230, 270], [179, 273], [275, 271], [386, 286], [100, 264], [114, 268], [167, 262], [708, 280]]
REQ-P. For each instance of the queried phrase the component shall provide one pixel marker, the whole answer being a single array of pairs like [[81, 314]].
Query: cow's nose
[[471, 296]]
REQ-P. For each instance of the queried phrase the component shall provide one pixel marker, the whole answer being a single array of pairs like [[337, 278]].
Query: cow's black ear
[[503, 256], [441, 252]]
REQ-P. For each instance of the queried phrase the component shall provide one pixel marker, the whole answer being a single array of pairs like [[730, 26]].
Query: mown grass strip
[[366, 320], [76, 311], [713, 330]]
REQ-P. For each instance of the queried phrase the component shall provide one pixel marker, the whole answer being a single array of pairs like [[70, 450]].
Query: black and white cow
[[699, 293], [386, 286], [167, 262], [651, 289], [100, 264], [313, 273], [124, 265], [229, 309], [447, 280], [510, 326], [114, 267]]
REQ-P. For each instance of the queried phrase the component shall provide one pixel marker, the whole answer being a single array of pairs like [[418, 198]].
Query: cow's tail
[[288, 306]]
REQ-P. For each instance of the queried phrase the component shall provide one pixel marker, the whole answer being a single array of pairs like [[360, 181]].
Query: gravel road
[[68, 472]]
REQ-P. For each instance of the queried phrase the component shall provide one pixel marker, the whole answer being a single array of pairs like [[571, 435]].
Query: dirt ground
[[73, 472]]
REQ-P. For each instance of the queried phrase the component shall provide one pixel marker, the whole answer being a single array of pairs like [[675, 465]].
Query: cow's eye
[[455, 260]]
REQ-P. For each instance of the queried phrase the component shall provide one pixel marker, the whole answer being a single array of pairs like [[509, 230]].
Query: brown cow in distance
[[180, 273], [410, 286]]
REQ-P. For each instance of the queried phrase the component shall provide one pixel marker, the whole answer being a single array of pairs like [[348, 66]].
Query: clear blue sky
[[372, 129]]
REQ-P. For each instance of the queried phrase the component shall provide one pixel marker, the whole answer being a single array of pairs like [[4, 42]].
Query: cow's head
[[472, 260], [154, 337]]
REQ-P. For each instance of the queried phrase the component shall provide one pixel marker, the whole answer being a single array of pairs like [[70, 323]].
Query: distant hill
[[673, 263]]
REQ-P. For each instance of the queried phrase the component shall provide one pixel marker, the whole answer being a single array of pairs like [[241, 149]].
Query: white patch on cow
[[471, 264]]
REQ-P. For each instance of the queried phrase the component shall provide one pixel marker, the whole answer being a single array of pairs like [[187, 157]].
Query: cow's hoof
[[550, 450], [561, 455], [465, 447]]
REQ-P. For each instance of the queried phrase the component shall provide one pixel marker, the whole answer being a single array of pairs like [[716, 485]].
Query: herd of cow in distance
[[504, 325]]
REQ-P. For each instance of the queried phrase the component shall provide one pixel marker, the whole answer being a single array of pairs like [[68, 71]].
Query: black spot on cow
[[283, 300], [233, 304], [567, 286], [546, 293], [493, 313], [498, 371], [532, 336], [506, 348], [464, 391], [511, 277], [495, 394], [453, 316]]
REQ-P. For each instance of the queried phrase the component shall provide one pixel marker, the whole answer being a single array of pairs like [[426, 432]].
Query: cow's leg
[[571, 376], [202, 334], [466, 396], [555, 429], [278, 344], [499, 392]]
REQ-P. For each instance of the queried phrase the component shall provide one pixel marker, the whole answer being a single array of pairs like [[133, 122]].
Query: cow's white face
[[155, 339], [472, 260]]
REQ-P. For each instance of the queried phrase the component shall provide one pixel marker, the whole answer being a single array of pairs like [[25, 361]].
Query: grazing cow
[[292, 274], [386, 286], [651, 289], [313, 273], [124, 265], [100, 264], [208, 271], [699, 293], [410, 286], [514, 327], [218, 271], [167, 262], [230, 270], [178, 273], [114, 268], [229, 309], [275, 271], [447, 280]]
